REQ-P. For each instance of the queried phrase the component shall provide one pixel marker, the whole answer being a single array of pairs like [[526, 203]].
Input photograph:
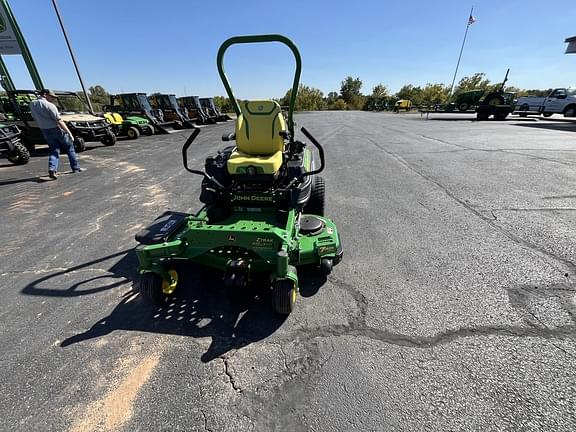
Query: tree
[[98, 96], [380, 91], [434, 94], [410, 92], [338, 105], [350, 90], [331, 98], [307, 99], [223, 104], [474, 82]]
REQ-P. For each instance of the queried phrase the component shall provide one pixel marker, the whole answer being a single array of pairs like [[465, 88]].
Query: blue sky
[[170, 46]]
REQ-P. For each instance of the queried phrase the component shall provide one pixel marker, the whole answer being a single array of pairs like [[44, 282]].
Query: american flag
[[471, 20]]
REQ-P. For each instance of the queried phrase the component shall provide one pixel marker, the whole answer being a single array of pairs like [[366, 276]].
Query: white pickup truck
[[559, 101]]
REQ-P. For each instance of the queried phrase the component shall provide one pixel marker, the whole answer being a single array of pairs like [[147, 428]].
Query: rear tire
[[133, 133], [495, 100], [150, 130], [316, 203], [79, 144], [570, 111], [284, 294], [20, 155], [151, 289]]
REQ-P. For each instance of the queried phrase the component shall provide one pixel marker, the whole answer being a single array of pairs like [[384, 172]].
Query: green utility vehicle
[[138, 104], [130, 127], [263, 210], [73, 110]]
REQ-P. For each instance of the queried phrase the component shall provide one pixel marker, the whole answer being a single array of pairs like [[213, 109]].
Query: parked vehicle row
[[129, 115]]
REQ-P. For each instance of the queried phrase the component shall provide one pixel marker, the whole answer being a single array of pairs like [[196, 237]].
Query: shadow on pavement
[[51, 284], [201, 308], [36, 179], [560, 126]]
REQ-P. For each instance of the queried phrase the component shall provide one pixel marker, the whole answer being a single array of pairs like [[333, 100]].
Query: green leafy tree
[[434, 94], [350, 91], [338, 105], [411, 93], [478, 81], [223, 104], [307, 99], [98, 96], [380, 91], [536, 92], [331, 98]]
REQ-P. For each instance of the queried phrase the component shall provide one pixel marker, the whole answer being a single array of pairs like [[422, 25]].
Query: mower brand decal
[[232, 238], [326, 249], [248, 197], [263, 243], [168, 225]]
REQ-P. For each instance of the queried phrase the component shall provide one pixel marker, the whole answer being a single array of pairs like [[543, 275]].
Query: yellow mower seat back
[[259, 143]]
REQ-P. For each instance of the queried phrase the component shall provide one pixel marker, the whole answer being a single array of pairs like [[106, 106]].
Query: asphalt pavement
[[453, 309]]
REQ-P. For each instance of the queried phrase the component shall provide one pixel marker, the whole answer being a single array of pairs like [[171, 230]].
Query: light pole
[[72, 55]]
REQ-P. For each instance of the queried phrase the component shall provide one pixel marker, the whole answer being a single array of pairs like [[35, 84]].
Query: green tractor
[[130, 127], [138, 104], [471, 100], [10, 144], [497, 103], [263, 210]]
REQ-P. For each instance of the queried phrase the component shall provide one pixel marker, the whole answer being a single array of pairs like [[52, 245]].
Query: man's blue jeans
[[57, 139]]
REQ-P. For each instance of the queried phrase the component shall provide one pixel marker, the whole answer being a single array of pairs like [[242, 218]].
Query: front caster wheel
[[151, 289], [284, 293], [326, 266], [154, 289]]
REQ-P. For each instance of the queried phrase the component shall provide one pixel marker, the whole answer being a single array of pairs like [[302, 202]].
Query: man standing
[[55, 132]]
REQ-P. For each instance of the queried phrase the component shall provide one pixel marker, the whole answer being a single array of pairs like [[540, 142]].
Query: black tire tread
[[281, 296], [151, 289], [317, 202], [20, 155]]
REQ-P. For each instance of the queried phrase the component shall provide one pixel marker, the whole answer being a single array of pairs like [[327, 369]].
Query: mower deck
[[255, 241]]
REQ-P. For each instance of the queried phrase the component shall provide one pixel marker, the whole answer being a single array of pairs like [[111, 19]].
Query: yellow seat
[[258, 140]]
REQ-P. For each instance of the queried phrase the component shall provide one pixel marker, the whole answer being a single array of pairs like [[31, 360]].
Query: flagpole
[[461, 49]]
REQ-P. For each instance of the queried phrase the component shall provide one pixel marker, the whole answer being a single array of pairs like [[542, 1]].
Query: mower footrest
[[161, 229]]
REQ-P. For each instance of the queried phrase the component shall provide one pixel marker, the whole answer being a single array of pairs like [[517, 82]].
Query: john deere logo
[[2, 25]]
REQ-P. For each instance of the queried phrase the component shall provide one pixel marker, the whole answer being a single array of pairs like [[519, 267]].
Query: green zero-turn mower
[[263, 206]]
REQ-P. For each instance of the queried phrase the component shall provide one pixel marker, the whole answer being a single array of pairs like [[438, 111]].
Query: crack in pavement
[[465, 148], [231, 379], [538, 250]]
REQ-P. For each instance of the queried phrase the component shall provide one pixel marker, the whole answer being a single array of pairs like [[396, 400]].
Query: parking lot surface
[[453, 308]]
